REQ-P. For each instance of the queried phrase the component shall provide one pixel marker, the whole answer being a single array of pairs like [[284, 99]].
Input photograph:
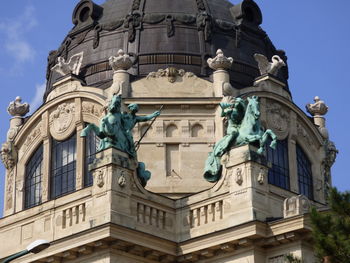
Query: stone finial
[[18, 109], [267, 67], [120, 62], [71, 67], [220, 61], [319, 108], [296, 205]]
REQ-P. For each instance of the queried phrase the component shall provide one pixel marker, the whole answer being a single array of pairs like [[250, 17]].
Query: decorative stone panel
[[62, 120], [278, 119]]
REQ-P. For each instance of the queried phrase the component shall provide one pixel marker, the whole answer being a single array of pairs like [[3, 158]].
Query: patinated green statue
[[129, 121], [111, 130], [115, 130], [243, 127]]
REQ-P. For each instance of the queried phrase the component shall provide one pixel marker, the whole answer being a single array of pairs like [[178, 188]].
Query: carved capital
[[121, 62], [220, 61], [17, 108]]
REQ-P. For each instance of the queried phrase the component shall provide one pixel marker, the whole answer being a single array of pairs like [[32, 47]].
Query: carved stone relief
[[34, 134], [92, 109], [296, 205], [100, 178], [302, 133], [239, 176], [9, 191], [278, 119], [122, 179], [171, 73], [62, 121], [262, 175], [8, 155]]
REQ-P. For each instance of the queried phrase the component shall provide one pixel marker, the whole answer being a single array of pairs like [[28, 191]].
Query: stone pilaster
[[114, 177], [248, 179]]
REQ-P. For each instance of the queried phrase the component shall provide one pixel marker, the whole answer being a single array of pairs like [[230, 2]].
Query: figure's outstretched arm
[[147, 117]]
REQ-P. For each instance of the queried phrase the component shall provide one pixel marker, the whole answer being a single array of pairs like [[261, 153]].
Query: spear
[[137, 144]]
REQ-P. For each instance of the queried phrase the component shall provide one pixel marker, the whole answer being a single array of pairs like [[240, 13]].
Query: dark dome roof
[[181, 33]]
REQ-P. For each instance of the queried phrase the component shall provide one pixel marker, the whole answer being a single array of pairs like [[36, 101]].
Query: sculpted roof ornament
[[267, 67], [120, 62], [171, 73], [319, 108], [18, 109], [220, 61], [71, 67]]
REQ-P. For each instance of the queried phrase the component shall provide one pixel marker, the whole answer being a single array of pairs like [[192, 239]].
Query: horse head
[[114, 105], [253, 107]]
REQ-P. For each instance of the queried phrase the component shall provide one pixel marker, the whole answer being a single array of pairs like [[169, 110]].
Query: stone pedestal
[[269, 83], [114, 174], [120, 84], [248, 182]]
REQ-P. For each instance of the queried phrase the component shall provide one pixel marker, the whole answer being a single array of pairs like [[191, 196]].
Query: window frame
[[67, 169], [37, 154], [279, 170], [304, 172]]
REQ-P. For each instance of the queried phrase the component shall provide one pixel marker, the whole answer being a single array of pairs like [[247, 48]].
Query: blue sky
[[314, 33]]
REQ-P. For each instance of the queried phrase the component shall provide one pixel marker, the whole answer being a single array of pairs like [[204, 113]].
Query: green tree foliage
[[331, 229]]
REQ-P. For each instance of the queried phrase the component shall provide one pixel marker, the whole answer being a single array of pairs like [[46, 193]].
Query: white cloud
[[38, 97], [15, 42]]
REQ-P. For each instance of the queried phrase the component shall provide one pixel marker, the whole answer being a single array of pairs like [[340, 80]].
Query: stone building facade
[[184, 57]]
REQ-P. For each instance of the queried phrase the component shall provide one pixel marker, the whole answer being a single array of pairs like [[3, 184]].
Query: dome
[[159, 34]]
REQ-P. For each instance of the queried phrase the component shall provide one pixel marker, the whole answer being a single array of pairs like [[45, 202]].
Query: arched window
[[304, 173], [63, 167], [91, 145], [278, 164], [33, 177]]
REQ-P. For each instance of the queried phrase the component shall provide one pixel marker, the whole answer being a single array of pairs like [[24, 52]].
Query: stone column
[[8, 152], [221, 85]]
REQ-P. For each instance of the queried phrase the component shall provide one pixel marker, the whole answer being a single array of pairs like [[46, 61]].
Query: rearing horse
[[240, 131], [251, 130]]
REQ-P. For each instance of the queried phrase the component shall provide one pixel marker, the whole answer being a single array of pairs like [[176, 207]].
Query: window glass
[[91, 144], [304, 173], [63, 167], [278, 164], [33, 177]]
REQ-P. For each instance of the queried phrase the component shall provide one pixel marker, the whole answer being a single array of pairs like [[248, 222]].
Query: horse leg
[[273, 138], [88, 129], [267, 133]]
